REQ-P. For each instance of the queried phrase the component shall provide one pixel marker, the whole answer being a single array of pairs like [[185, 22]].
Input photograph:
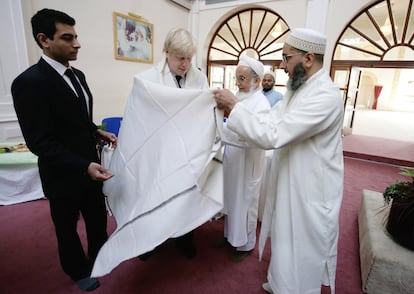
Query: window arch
[[373, 59], [257, 32], [377, 31]]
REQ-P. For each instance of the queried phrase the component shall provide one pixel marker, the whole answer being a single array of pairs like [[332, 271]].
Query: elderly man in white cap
[[243, 167], [305, 193]]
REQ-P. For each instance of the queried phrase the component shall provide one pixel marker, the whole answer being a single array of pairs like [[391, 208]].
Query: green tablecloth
[[16, 158], [19, 177]]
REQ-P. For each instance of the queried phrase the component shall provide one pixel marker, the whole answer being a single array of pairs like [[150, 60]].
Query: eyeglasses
[[285, 57], [240, 78]]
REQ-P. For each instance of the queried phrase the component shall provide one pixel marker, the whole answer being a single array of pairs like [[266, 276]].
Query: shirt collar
[[59, 67]]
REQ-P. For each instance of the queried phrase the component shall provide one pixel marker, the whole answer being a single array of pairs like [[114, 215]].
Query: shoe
[[221, 243], [237, 256], [185, 244], [145, 256], [88, 284], [266, 287], [188, 250]]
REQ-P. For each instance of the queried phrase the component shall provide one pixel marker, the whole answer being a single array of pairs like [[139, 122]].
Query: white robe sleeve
[[308, 112]]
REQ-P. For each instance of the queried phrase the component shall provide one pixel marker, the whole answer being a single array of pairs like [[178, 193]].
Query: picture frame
[[133, 38]]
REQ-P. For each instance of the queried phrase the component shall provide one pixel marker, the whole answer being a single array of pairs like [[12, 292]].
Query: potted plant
[[400, 196]]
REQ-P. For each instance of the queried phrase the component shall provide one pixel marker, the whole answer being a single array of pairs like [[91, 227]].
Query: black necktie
[[69, 73], [178, 78]]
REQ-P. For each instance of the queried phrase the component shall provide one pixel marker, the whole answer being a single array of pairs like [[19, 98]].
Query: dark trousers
[[185, 240], [65, 214]]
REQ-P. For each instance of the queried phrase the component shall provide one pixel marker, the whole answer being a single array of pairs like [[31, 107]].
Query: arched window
[[373, 60], [257, 32]]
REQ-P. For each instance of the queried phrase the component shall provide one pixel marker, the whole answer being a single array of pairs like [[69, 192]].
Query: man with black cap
[[305, 194]]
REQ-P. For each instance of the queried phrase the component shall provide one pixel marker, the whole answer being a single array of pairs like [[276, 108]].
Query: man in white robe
[[243, 166], [167, 182], [304, 194]]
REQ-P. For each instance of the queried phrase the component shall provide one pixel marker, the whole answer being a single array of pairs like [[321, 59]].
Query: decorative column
[[195, 20], [317, 14]]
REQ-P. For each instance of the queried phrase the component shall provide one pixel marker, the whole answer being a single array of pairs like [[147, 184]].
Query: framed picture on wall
[[133, 38]]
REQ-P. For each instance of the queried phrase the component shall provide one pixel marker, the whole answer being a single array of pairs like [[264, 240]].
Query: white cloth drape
[[166, 183], [19, 177], [20, 183]]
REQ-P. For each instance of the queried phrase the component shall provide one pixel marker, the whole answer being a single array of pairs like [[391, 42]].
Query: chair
[[112, 124]]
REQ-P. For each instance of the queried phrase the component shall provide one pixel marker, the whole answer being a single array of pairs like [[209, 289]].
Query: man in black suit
[[55, 116]]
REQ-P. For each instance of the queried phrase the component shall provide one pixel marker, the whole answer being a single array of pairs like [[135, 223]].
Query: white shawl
[[166, 183]]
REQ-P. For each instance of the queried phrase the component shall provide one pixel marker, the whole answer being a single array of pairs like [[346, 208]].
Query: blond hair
[[179, 41]]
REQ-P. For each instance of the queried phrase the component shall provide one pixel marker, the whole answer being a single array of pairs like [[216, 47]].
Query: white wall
[[13, 59], [109, 79], [95, 29]]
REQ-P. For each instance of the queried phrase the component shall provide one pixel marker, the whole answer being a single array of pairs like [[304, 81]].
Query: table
[[19, 177]]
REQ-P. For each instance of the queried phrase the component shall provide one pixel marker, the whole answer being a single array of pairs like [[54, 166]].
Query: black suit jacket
[[56, 129]]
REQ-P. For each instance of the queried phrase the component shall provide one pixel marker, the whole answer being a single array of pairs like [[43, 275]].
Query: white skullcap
[[307, 40], [254, 64], [270, 73]]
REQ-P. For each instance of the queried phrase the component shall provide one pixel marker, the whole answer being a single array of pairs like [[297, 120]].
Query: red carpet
[[379, 149], [29, 261]]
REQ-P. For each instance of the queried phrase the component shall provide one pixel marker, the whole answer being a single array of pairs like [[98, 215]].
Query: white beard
[[244, 95]]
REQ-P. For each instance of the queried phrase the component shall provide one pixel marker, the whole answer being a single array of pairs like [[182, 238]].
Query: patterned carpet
[[29, 259]]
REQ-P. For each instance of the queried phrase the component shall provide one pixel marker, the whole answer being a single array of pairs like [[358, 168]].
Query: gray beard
[[299, 77]]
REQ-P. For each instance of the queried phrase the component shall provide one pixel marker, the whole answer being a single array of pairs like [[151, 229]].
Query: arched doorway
[[257, 32], [373, 63]]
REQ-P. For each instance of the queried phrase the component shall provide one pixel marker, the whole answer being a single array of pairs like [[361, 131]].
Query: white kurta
[[166, 183], [304, 194], [243, 169]]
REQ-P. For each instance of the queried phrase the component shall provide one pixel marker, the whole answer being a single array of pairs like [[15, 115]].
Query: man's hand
[[225, 99], [98, 173], [107, 137]]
